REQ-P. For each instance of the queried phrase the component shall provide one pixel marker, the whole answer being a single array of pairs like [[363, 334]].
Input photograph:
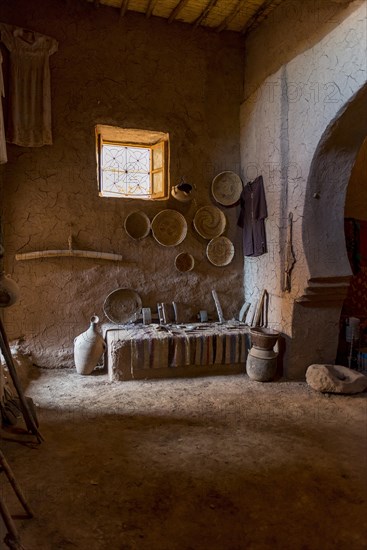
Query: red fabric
[[363, 242]]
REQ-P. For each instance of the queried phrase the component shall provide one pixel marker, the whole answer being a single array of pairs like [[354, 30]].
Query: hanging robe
[[29, 121], [252, 218]]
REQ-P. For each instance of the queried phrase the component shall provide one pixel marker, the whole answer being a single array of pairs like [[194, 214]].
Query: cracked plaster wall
[[283, 118], [132, 73]]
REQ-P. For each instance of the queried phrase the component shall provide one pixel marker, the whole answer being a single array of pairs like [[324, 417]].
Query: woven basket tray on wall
[[169, 227], [210, 222], [220, 251]]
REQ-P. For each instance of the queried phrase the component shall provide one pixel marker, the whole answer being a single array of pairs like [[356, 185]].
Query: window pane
[[113, 157], [138, 184], [114, 182], [126, 170], [157, 180], [137, 159], [158, 156]]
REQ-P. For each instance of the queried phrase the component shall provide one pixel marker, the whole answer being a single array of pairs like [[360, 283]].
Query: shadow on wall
[[311, 20]]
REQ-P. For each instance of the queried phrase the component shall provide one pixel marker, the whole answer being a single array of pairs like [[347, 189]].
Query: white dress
[[3, 155], [30, 88]]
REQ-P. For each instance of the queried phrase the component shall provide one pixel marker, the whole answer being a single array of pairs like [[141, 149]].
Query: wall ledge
[[325, 291]]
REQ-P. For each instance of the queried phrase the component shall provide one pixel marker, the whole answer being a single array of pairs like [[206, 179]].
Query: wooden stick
[[150, 8], [69, 253], [250, 313], [28, 418], [123, 8], [12, 539], [13, 482], [259, 309], [176, 10], [252, 22], [218, 306], [205, 12], [231, 16]]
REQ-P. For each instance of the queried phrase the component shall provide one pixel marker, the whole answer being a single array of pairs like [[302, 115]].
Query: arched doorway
[[352, 349], [317, 311]]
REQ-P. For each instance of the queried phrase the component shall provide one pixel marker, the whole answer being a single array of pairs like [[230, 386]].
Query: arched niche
[[316, 313], [323, 216]]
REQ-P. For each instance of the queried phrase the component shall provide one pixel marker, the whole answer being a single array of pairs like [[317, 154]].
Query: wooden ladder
[[12, 539]]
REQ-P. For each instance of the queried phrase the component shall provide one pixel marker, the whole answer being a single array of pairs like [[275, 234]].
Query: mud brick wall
[[132, 73]]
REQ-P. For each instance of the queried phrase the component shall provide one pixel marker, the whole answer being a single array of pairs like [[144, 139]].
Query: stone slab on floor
[[335, 379]]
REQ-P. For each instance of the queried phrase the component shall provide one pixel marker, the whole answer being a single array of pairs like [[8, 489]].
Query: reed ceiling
[[233, 15]]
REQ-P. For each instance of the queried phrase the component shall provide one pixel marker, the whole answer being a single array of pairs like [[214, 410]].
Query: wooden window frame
[[155, 141]]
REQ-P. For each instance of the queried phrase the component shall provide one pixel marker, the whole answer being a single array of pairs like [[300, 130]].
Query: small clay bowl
[[137, 225], [184, 262]]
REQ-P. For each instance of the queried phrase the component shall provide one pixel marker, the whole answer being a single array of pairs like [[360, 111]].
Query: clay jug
[[182, 191], [88, 348], [9, 290]]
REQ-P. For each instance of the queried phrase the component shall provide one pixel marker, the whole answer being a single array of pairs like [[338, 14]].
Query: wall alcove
[[351, 347], [317, 312]]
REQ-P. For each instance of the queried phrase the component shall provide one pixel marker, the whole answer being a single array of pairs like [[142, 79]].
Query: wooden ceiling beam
[[226, 21], [150, 8], [176, 10], [258, 15], [205, 12], [124, 6]]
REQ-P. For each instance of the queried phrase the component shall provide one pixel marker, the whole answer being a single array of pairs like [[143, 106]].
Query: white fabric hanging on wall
[[30, 87], [3, 155]]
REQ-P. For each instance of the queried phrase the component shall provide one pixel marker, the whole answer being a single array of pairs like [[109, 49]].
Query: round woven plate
[[137, 225], [184, 262], [169, 227], [122, 305], [220, 251], [227, 188], [210, 222]]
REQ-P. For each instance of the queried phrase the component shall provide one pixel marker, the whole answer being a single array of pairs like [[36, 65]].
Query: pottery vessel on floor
[[88, 348], [9, 290]]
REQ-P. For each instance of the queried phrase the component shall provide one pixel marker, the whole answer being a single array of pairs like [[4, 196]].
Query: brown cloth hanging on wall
[[251, 219], [3, 153], [29, 121]]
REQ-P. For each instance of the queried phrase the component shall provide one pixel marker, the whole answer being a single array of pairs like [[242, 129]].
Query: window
[[132, 163]]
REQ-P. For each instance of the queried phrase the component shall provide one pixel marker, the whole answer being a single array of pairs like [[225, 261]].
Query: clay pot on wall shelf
[[88, 348], [183, 191], [9, 290]]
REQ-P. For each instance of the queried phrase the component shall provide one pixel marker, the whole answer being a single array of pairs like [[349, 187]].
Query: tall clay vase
[[88, 348], [9, 290]]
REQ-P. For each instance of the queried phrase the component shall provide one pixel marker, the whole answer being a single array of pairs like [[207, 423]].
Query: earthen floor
[[221, 463]]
